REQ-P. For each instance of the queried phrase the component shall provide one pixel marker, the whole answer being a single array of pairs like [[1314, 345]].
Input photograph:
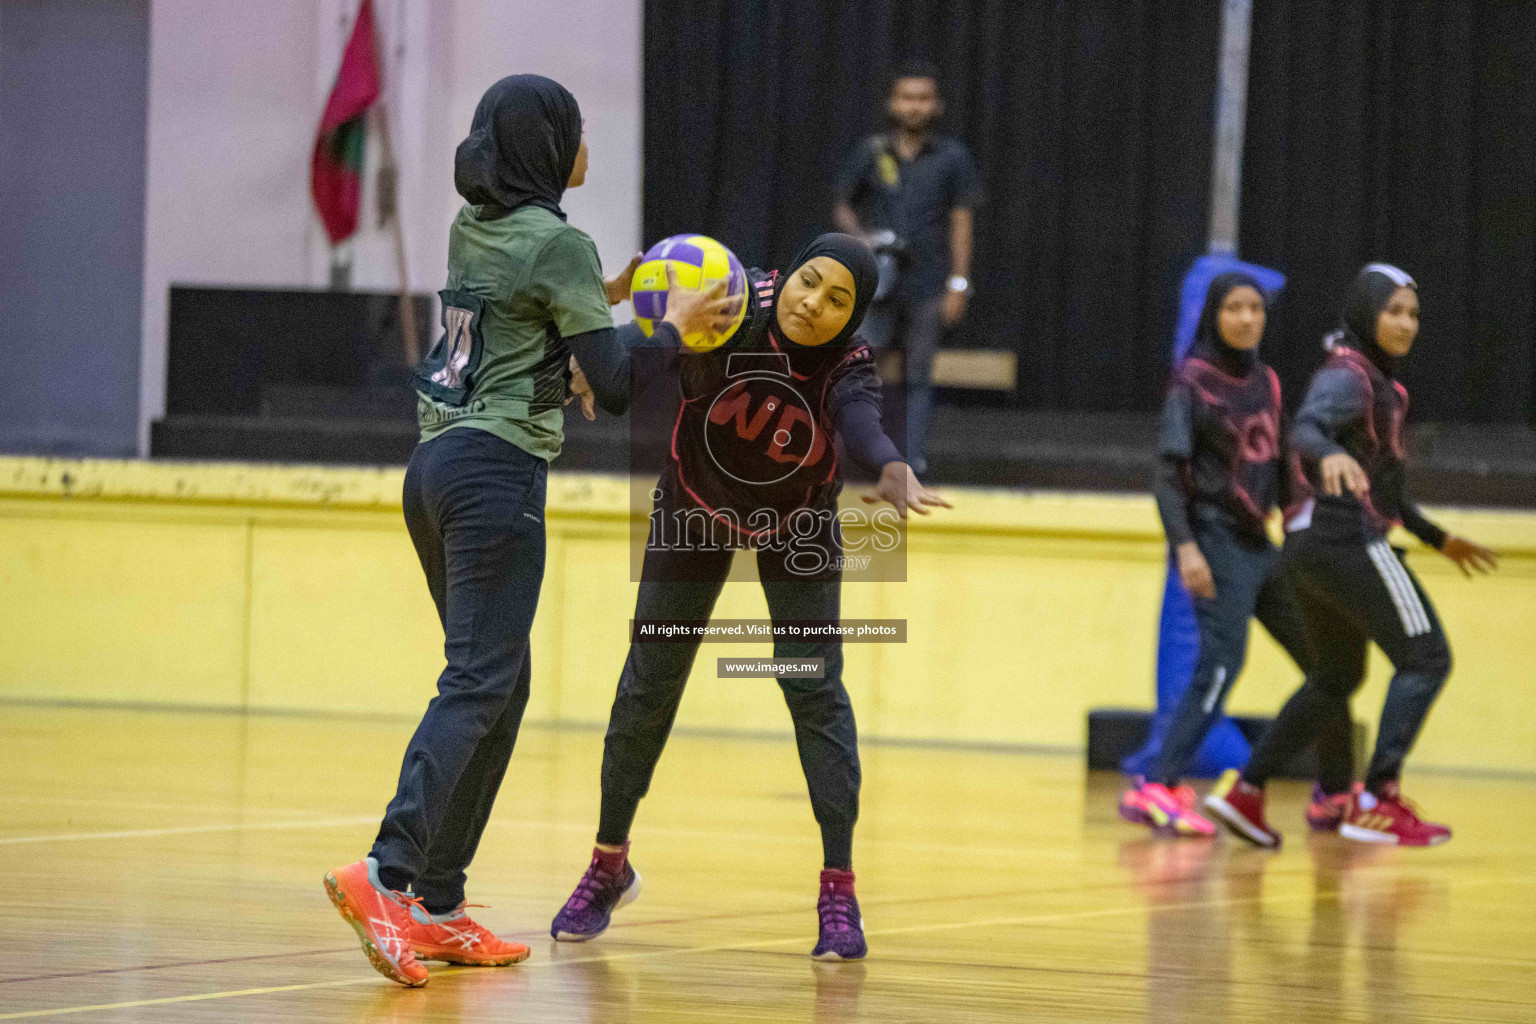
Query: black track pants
[[1351, 594], [474, 505], [1252, 581], [684, 585]]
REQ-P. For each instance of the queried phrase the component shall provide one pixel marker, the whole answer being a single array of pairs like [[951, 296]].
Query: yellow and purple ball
[[699, 262]]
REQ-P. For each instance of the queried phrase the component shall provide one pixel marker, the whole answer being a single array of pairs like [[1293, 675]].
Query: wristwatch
[[959, 284]]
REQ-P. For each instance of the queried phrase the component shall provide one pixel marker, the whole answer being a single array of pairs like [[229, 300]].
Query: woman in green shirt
[[525, 295]]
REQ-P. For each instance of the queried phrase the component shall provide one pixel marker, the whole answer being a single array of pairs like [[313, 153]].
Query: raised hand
[[617, 286], [692, 310]]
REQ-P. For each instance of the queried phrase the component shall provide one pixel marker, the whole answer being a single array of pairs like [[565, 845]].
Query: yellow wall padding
[[296, 589]]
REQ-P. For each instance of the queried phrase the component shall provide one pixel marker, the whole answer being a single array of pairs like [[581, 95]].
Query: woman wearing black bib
[[753, 465], [1354, 586], [1222, 470]]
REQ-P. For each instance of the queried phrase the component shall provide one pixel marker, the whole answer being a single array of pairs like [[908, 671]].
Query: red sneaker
[[1240, 807], [381, 919], [457, 939], [1327, 811], [1166, 811], [1389, 818]]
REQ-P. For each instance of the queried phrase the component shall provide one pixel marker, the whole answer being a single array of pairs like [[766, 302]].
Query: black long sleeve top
[[1352, 407], [1220, 451], [854, 402], [603, 356]]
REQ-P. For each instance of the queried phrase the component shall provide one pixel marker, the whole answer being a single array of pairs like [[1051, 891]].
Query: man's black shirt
[[913, 198]]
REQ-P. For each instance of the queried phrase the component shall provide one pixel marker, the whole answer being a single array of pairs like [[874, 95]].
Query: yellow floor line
[[183, 830], [1000, 922], [149, 805], [233, 993], [677, 833]]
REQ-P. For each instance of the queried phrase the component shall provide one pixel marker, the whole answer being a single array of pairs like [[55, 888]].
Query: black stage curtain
[[1090, 121], [1376, 130], [1405, 132]]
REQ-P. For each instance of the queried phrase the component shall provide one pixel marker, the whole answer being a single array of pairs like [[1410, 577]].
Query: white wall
[[593, 47], [235, 93]]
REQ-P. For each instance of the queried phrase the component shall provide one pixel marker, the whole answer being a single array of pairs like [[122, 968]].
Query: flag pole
[[391, 170], [389, 209]]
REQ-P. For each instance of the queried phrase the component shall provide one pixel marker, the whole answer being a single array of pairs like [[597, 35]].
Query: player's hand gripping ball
[[698, 262]]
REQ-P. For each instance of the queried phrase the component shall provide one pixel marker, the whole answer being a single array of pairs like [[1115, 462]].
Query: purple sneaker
[[610, 882], [842, 928]]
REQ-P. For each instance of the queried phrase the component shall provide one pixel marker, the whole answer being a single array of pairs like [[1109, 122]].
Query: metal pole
[[1231, 116], [391, 170], [389, 210]]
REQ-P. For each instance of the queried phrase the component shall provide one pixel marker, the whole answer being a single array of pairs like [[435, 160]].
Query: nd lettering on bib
[[447, 374]]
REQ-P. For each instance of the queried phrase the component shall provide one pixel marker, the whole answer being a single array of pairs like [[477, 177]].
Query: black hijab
[[854, 255], [1368, 295], [521, 147], [1209, 344]]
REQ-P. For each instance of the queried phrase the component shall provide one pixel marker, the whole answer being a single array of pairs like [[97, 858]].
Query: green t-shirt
[[538, 280]]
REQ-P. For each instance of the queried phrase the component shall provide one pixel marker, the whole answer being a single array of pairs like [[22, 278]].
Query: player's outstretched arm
[[600, 359], [900, 486], [1469, 555]]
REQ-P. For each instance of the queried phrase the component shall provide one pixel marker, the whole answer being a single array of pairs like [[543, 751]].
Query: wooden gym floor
[[166, 867]]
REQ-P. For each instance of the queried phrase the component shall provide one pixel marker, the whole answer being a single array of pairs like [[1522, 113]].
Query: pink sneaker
[[1166, 811]]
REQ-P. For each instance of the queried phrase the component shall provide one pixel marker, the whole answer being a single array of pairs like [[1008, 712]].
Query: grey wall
[[73, 102]]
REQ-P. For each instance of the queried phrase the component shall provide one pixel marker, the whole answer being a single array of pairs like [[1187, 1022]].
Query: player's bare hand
[[582, 390], [1195, 571], [1341, 472], [692, 310], [617, 286], [1469, 555], [900, 486]]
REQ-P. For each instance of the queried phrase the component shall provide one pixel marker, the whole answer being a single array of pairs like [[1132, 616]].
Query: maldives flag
[[335, 170]]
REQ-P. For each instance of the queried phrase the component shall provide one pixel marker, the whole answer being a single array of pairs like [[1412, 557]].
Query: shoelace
[[467, 928], [482, 934], [592, 882], [387, 928], [462, 908], [836, 910], [1407, 805]]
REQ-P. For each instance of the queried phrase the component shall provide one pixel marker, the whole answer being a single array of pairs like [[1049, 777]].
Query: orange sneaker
[[457, 939], [381, 918]]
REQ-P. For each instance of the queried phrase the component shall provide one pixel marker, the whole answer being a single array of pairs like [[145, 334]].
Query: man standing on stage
[[911, 193]]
